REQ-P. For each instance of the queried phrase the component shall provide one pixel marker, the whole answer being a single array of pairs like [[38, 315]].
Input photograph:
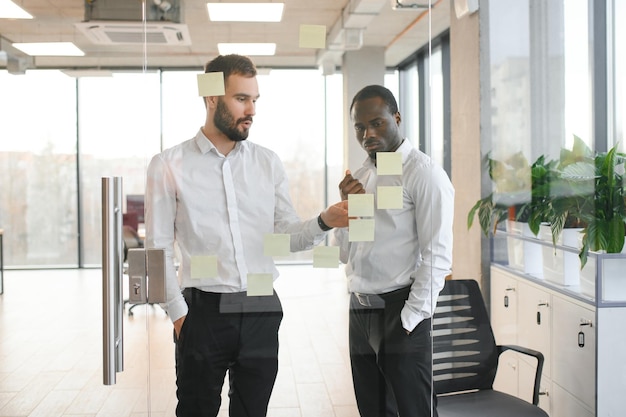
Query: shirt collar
[[205, 145], [404, 148]]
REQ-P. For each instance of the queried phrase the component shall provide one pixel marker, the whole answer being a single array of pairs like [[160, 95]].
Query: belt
[[379, 300]]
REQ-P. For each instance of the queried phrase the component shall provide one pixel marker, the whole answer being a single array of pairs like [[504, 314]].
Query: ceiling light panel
[[249, 49], [49, 49], [245, 12], [10, 10]]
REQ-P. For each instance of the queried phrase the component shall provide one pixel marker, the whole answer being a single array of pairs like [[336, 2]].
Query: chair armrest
[[530, 352]]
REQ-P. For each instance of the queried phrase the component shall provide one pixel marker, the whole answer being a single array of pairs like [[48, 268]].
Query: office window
[[540, 76], [38, 208], [436, 106], [618, 52], [409, 102], [119, 130]]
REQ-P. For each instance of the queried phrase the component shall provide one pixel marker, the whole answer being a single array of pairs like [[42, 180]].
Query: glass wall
[[119, 129], [112, 126], [38, 206]]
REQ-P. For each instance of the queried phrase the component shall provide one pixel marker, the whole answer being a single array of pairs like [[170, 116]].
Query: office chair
[[465, 358]]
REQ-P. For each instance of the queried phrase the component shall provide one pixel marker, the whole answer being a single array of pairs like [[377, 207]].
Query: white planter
[[524, 256], [560, 266], [612, 276]]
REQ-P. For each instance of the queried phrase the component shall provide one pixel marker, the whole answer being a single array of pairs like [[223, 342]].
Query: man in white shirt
[[215, 197], [395, 280]]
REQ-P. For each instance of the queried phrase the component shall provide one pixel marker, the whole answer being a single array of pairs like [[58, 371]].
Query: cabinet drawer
[[566, 405], [503, 307], [535, 321], [574, 347]]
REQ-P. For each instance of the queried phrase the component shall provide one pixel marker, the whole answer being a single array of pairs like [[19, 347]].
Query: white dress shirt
[[208, 204], [412, 245]]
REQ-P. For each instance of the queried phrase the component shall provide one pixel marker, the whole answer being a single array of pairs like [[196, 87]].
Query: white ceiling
[[400, 32]]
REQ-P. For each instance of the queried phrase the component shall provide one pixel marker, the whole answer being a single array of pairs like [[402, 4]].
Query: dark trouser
[[391, 371], [227, 332]]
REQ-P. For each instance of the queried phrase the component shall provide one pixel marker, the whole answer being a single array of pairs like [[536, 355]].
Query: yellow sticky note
[[313, 36], [389, 197], [361, 230], [260, 284], [389, 163], [326, 257], [203, 267], [360, 205], [276, 244], [211, 84]]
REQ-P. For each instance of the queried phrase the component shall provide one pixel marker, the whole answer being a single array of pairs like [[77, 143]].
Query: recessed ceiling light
[[251, 49], [10, 10], [49, 49], [245, 12], [78, 73]]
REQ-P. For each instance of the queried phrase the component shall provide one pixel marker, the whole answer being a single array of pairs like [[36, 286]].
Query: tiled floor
[[51, 349]]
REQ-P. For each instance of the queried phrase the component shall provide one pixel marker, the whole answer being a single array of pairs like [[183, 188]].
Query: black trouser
[[227, 332], [391, 371]]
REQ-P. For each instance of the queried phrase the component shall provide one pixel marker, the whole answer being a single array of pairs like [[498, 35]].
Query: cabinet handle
[[543, 304], [510, 289], [585, 322], [544, 392]]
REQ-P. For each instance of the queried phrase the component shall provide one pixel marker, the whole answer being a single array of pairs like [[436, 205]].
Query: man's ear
[[398, 118], [211, 102]]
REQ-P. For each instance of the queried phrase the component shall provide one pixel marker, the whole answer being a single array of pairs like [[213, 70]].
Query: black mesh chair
[[465, 358]]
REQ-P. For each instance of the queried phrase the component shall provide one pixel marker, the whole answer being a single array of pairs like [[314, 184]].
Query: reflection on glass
[[119, 119], [619, 72], [37, 167]]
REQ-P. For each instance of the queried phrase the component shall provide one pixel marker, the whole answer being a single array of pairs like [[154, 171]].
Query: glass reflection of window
[[38, 209], [409, 102], [436, 106], [577, 74], [119, 130], [619, 72]]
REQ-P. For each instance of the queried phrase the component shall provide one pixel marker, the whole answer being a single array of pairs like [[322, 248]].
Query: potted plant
[[511, 178]]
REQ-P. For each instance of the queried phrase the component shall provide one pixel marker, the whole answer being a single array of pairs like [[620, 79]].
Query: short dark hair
[[231, 64], [374, 90]]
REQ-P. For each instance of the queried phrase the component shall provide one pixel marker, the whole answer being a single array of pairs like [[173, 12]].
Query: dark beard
[[225, 122]]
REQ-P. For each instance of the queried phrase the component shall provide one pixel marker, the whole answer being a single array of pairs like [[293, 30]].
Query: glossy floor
[[51, 349]]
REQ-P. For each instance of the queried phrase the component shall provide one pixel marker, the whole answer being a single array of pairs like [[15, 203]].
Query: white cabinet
[[573, 358], [582, 339]]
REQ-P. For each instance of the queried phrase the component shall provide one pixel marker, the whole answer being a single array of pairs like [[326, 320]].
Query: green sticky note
[[361, 230], [389, 163], [260, 285], [360, 205], [203, 267], [326, 257], [211, 84], [312, 36], [276, 244], [389, 197]]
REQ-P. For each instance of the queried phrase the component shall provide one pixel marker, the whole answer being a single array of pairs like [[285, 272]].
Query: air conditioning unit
[[120, 22], [122, 33]]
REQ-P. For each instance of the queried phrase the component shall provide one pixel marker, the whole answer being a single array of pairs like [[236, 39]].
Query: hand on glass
[[336, 215]]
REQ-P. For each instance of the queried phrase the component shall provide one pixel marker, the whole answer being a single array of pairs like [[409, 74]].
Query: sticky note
[[260, 284], [389, 163], [361, 230], [203, 267], [360, 205], [313, 36], [326, 257], [276, 244], [211, 84], [389, 197]]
